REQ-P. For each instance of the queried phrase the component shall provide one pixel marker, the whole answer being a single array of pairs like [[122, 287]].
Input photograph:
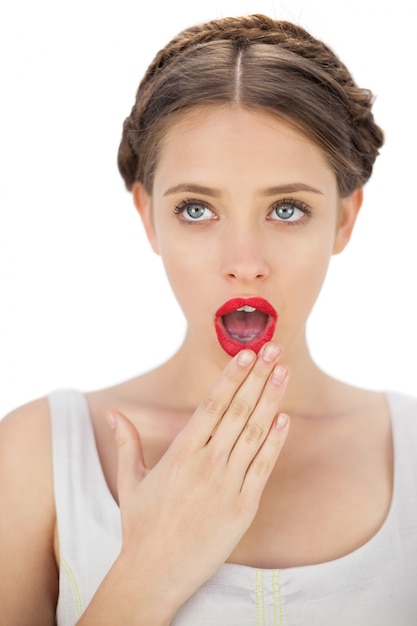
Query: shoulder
[[27, 517], [25, 458], [25, 435]]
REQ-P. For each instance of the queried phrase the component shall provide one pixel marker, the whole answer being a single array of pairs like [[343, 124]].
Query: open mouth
[[245, 323]]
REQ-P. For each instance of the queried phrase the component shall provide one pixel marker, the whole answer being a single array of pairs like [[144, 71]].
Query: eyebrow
[[215, 193], [290, 188], [205, 191]]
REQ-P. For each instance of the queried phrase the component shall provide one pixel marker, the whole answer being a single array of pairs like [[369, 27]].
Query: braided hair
[[258, 63]]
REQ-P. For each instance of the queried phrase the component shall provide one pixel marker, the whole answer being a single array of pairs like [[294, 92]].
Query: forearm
[[131, 595]]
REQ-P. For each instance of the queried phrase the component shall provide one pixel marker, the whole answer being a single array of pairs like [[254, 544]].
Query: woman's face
[[245, 213]]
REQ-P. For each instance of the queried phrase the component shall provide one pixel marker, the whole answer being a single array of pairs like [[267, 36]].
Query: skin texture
[[240, 252], [194, 454]]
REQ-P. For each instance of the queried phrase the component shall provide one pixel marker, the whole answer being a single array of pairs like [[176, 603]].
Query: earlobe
[[143, 204], [349, 209]]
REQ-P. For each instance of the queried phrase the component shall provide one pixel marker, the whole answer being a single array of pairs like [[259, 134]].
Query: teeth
[[247, 308], [244, 339]]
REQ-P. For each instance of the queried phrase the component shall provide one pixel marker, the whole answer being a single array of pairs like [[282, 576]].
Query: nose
[[244, 257]]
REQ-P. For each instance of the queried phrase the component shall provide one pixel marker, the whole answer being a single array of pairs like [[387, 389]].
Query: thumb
[[131, 468]]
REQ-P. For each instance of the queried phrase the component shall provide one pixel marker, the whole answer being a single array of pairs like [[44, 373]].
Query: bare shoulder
[[35, 412], [25, 452], [27, 564]]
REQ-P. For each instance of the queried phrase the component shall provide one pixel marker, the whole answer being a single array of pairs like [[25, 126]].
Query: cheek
[[304, 271], [188, 273]]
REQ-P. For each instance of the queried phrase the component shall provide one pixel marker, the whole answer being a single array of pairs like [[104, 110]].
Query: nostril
[[246, 276]]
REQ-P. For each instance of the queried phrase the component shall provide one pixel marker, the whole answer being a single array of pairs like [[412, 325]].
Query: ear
[[143, 204], [348, 212]]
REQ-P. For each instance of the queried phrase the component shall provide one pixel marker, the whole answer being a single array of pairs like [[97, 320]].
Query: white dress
[[376, 585]]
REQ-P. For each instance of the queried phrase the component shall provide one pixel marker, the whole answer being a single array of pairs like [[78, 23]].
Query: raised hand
[[183, 518]]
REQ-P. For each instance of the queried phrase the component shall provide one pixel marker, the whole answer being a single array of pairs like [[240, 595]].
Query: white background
[[84, 302]]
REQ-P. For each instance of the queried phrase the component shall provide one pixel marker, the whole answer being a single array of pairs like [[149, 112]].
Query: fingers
[[258, 426], [249, 436], [247, 397], [131, 467], [216, 402], [264, 461]]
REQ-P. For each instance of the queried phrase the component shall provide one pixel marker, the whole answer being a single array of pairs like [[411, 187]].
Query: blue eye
[[195, 211], [289, 211], [285, 211], [190, 211]]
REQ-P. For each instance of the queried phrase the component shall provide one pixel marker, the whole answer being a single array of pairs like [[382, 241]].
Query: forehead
[[225, 141]]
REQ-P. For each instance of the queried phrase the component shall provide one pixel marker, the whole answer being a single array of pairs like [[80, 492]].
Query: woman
[[183, 496]]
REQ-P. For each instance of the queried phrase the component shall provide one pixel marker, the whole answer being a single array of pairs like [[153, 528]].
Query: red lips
[[245, 323]]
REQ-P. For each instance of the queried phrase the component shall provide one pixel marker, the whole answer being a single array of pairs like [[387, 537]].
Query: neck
[[188, 375]]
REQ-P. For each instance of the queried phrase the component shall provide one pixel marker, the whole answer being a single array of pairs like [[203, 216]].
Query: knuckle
[[239, 408], [122, 441], [179, 464], [178, 450], [205, 470], [233, 375], [260, 466], [212, 406], [214, 457], [253, 433]]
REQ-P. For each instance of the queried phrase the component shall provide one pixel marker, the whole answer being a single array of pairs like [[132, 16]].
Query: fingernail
[[279, 374], [245, 357], [281, 421], [270, 352]]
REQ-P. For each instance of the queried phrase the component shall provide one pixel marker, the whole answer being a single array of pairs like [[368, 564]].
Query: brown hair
[[262, 64]]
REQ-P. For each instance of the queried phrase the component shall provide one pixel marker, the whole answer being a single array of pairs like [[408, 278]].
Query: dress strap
[[88, 519]]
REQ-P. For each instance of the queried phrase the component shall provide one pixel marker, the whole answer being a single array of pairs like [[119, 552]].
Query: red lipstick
[[245, 323]]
